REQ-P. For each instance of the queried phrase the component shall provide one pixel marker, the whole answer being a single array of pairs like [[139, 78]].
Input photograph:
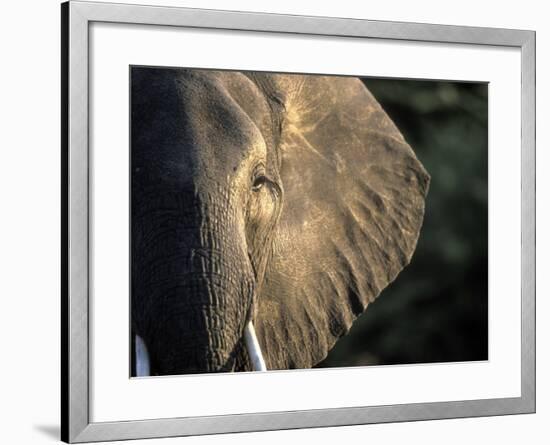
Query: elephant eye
[[259, 182]]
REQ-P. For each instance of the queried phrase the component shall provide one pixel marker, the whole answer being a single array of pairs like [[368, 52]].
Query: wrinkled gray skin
[[288, 200]]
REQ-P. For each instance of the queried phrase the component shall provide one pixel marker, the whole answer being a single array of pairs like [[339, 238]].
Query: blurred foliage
[[436, 309]]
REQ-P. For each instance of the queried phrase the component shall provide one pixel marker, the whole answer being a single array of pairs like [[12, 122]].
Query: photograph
[[275, 221], [288, 221]]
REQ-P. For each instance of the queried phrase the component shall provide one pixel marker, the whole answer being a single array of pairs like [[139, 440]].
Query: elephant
[[268, 210]]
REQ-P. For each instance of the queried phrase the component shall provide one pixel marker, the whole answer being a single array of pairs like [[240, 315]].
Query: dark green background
[[436, 309]]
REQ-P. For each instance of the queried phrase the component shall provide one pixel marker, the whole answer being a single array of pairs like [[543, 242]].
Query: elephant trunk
[[192, 286]]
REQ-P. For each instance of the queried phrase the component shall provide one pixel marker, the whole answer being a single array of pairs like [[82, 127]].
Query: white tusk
[[253, 348], [143, 367]]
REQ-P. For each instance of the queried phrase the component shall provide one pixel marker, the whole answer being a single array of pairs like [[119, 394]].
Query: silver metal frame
[[75, 422]]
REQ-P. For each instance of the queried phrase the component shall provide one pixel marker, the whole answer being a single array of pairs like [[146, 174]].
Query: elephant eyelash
[[259, 178]]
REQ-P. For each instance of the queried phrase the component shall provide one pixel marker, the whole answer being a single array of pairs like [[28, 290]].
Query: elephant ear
[[353, 206]]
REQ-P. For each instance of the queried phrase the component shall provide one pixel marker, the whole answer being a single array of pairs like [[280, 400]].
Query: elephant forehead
[[215, 122], [196, 121]]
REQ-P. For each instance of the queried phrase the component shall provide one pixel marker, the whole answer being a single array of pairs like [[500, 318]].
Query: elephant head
[[287, 201]]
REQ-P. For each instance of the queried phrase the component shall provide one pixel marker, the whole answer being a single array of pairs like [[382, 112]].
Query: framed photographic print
[[275, 222]]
